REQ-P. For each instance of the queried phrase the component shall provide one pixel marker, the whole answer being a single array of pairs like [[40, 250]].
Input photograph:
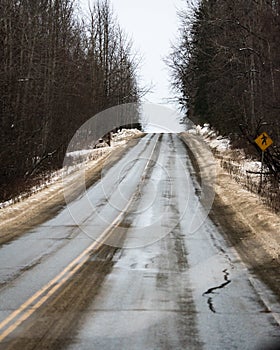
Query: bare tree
[[56, 72]]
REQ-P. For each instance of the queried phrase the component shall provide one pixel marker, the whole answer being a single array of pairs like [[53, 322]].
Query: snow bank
[[213, 139], [243, 170], [74, 161], [125, 134], [75, 158]]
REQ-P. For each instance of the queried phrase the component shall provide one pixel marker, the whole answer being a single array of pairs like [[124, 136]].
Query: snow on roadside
[[55, 176], [222, 149], [246, 206], [123, 135], [76, 161]]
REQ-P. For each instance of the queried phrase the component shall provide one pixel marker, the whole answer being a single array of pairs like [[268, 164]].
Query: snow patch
[[74, 161], [125, 134], [243, 170]]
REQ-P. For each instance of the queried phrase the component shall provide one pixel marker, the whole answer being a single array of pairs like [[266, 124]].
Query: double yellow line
[[33, 303], [17, 317]]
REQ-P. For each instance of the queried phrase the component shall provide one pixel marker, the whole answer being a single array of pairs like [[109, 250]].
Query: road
[[134, 263]]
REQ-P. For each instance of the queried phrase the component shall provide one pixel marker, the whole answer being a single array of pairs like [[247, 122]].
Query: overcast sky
[[152, 25]]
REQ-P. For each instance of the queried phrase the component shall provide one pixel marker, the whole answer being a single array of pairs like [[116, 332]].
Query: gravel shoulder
[[247, 224]]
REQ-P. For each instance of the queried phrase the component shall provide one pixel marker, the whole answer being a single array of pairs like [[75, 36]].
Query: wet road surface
[[165, 279]]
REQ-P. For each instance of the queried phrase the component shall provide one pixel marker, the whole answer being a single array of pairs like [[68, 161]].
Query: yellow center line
[[41, 301], [53, 286]]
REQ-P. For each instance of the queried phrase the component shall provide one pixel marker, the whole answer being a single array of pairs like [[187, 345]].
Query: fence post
[[261, 176]]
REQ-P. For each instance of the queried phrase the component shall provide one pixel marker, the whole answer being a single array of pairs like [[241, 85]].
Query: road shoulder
[[247, 224], [20, 217]]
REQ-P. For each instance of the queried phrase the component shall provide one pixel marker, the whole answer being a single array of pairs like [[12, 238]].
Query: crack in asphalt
[[226, 274], [211, 290], [211, 305]]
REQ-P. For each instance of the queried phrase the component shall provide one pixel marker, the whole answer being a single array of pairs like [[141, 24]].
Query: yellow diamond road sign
[[263, 141]]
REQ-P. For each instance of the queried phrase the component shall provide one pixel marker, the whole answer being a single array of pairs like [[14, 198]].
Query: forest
[[225, 70], [57, 70]]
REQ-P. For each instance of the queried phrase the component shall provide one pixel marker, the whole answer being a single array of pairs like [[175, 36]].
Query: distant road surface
[[133, 264]]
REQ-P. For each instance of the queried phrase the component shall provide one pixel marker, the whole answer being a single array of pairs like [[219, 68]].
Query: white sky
[[152, 25]]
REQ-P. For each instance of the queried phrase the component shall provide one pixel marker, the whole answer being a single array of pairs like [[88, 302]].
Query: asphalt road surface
[[134, 263]]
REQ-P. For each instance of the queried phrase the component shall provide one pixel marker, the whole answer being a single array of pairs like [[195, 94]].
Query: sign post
[[263, 141]]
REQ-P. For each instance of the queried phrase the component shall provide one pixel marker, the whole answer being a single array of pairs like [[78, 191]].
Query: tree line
[[226, 70], [57, 70]]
